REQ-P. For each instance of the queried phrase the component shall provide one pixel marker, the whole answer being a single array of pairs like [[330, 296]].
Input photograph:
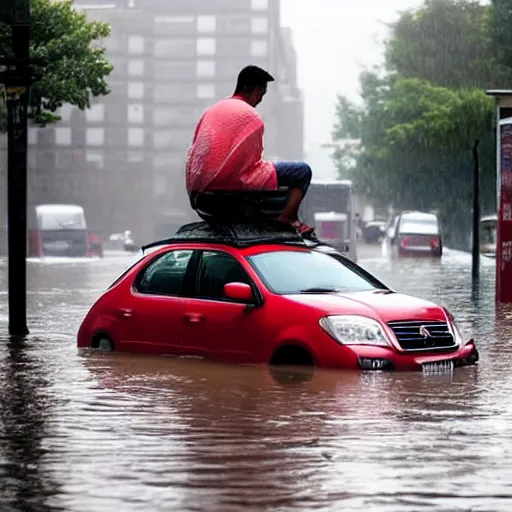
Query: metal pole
[[17, 108], [476, 213]]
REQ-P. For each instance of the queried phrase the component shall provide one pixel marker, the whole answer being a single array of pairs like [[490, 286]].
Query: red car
[[249, 297]]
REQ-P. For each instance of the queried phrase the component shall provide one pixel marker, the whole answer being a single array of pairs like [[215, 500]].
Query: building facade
[[124, 159]]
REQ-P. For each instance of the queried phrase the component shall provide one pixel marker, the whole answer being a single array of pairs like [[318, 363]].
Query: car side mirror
[[239, 291]]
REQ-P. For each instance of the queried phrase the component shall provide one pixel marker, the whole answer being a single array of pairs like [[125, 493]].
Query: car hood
[[377, 304]]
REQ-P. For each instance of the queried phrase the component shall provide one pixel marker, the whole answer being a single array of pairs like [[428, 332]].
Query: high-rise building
[[124, 159]]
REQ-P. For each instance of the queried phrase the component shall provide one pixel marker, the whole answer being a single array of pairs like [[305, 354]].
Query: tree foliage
[[72, 67], [422, 113], [446, 42], [501, 35]]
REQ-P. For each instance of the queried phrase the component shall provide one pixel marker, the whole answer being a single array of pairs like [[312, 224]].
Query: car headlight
[[454, 328], [354, 330]]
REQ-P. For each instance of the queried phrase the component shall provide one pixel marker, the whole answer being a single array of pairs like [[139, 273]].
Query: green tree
[[448, 43], [415, 142], [422, 112], [72, 66], [501, 35]]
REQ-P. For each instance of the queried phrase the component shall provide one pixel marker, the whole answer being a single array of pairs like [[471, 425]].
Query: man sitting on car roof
[[227, 150]]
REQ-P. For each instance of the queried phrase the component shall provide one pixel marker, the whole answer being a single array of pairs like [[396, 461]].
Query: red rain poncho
[[227, 150]]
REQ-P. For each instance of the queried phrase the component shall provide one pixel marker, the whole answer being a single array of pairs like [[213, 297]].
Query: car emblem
[[428, 340]]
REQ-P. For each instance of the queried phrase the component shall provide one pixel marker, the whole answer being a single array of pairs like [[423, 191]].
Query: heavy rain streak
[[393, 106]]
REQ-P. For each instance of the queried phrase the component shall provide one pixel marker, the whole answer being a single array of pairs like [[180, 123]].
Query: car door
[[153, 318], [217, 327]]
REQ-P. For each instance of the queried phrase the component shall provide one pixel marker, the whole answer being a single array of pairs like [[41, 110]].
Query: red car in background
[[257, 298]]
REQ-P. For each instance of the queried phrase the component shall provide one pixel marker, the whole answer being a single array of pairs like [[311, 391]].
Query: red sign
[[504, 231]]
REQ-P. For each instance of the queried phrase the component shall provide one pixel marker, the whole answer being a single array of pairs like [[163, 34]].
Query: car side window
[[165, 275], [215, 270]]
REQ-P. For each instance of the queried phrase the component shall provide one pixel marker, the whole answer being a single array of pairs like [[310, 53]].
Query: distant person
[[227, 150]]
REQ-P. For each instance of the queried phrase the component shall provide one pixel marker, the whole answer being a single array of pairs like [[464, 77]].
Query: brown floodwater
[[92, 432]]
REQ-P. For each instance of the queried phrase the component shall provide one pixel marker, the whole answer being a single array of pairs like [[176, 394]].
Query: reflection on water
[[26, 480], [92, 432]]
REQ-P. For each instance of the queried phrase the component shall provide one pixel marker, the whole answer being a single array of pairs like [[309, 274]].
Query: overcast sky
[[335, 40]]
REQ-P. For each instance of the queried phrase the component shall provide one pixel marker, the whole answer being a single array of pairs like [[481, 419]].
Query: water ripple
[[85, 432]]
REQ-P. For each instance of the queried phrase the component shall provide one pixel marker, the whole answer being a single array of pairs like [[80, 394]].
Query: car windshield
[[289, 272], [420, 226]]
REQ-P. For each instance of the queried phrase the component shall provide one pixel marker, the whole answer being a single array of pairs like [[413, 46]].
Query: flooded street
[[114, 432]]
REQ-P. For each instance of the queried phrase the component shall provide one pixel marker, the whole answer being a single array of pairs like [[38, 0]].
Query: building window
[[205, 68], [206, 23], [64, 112], [174, 47], [259, 5], [258, 48], [63, 136], [95, 136], [135, 114], [135, 90], [206, 46], [205, 91], [259, 25], [136, 67], [95, 158], [135, 137], [234, 24], [95, 114], [136, 44]]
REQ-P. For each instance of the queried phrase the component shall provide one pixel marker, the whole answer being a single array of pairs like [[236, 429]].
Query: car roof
[[419, 216], [235, 235]]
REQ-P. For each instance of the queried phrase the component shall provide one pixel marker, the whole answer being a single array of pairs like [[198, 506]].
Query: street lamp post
[[15, 76]]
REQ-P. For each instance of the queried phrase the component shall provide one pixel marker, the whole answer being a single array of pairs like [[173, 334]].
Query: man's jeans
[[293, 175]]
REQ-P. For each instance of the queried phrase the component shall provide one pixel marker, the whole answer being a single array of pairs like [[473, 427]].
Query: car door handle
[[194, 318], [125, 312]]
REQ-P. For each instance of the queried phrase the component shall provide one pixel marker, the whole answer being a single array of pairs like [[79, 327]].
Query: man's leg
[[296, 176]]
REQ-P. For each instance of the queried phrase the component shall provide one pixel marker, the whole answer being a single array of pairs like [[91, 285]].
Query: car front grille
[[423, 336]]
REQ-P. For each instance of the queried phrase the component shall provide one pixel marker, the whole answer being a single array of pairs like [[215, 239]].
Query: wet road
[[101, 433]]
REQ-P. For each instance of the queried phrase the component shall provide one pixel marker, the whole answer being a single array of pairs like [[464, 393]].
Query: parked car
[[257, 296], [374, 231], [415, 234]]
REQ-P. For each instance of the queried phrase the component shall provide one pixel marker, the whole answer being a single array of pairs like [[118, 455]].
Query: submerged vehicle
[[259, 293], [374, 231], [61, 230], [415, 234], [488, 234]]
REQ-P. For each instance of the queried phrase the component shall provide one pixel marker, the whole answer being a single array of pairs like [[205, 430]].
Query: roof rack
[[236, 234]]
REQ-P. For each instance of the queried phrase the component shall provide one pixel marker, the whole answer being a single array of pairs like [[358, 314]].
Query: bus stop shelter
[[504, 194]]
